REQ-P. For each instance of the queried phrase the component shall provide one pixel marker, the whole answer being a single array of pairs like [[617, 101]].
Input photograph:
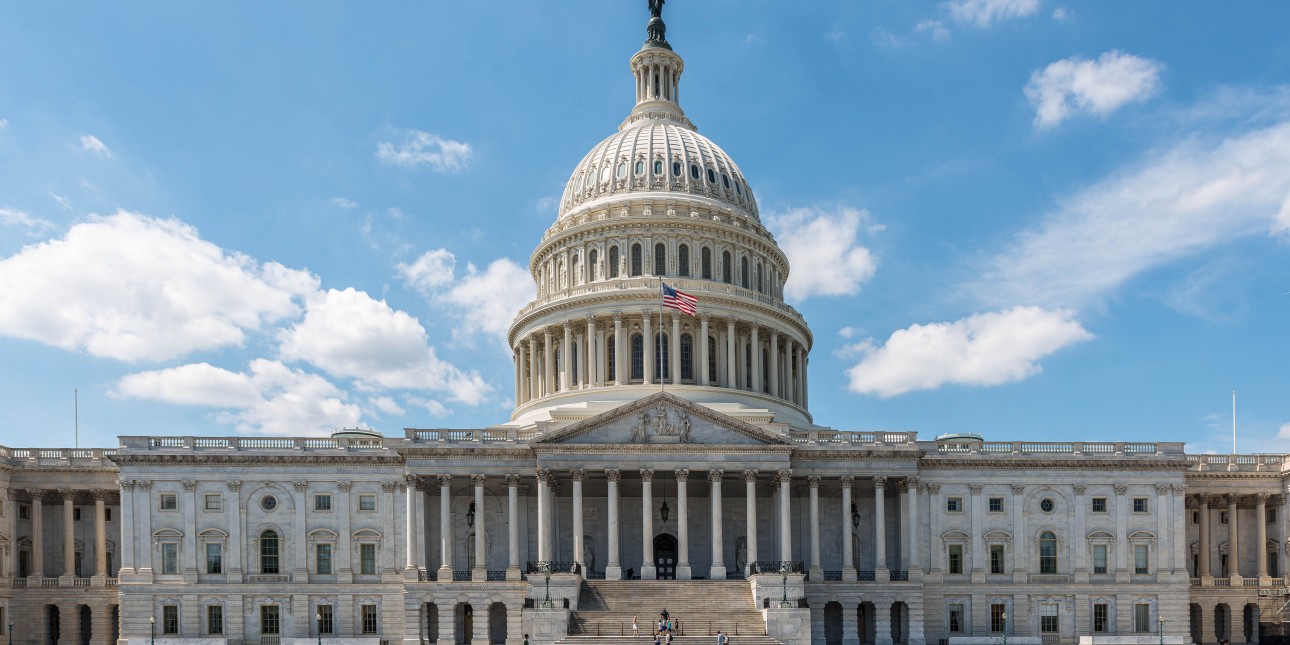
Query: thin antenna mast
[[1233, 421], [76, 418]]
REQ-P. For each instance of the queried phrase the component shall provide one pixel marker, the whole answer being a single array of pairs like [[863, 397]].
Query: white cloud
[[385, 405], [351, 335], [91, 143], [824, 255], [341, 202], [987, 13], [935, 29], [423, 148], [486, 301], [983, 349], [1175, 203], [1062, 14], [547, 204], [435, 408], [61, 199], [34, 225], [270, 398], [1099, 87], [4, 123], [131, 287]]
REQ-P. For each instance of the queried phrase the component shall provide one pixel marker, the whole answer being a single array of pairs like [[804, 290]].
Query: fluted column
[[69, 532], [579, 548], [1017, 508], [806, 383], [1163, 532], [785, 516], [591, 373], [683, 571], [848, 557], [647, 326], [566, 357], [619, 343], [1233, 537], [613, 567], [1261, 533], [513, 528], [813, 481], [718, 569], [100, 533], [978, 544], [647, 524], [445, 527], [774, 363], [880, 524], [732, 378], [750, 510], [518, 356], [703, 375], [38, 533], [544, 514], [1204, 536], [674, 348], [534, 388], [800, 385], [548, 363], [410, 524], [912, 518], [480, 572], [756, 359]]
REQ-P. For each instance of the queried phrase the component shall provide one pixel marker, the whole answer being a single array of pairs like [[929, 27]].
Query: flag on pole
[[682, 302]]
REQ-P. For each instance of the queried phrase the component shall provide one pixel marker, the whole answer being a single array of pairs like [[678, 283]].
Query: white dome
[[657, 156]]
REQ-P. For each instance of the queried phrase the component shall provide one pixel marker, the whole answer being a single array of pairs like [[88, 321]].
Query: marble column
[[936, 555], [774, 363], [1233, 540], [732, 379], [718, 569], [756, 360], [534, 388], [880, 526], [513, 527], [813, 481], [613, 566], [785, 516], [806, 384], [647, 326], [518, 357], [579, 548], [1261, 533], [704, 375], [674, 348], [800, 396], [750, 510], [619, 344], [566, 357], [1018, 557], [647, 524], [100, 533], [683, 571], [548, 363], [38, 533], [1122, 533], [544, 515], [479, 573], [848, 557], [410, 524], [1204, 554], [445, 528], [69, 532], [1163, 533], [126, 548], [978, 543], [591, 373]]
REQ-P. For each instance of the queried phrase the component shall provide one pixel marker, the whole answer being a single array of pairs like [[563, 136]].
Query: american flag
[[682, 302]]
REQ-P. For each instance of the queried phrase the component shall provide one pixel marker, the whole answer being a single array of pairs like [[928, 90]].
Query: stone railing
[[775, 567], [86, 457], [650, 283], [1251, 463], [237, 444], [1082, 448], [830, 438], [482, 435]]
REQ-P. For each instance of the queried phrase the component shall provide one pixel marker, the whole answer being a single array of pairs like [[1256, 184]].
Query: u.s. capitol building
[[651, 461]]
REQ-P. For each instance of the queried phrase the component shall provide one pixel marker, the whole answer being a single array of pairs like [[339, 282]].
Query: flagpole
[[662, 382]]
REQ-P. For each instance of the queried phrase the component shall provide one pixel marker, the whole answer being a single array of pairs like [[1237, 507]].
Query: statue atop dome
[[656, 8], [656, 29]]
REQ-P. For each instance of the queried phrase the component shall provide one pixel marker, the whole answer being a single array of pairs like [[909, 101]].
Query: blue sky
[[1028, 219]]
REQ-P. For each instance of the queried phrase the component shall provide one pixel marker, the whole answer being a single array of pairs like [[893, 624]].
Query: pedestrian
[[722, 639], [526, 639], [636, 630], [656, 641]]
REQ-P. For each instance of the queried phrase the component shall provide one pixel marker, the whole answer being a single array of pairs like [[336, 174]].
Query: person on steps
[[636, 630], [722, 639]]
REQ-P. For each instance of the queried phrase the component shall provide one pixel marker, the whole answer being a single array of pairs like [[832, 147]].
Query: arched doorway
[[52, 625], [665, 557], [833, 623], [431, 623], [465, 624], [497, 624]]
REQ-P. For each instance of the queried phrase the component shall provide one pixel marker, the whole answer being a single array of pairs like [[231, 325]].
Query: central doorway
[[665, 557]]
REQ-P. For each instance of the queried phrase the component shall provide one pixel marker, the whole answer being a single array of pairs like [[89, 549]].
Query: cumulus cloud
[[486, 300], [385, 405], [825, 256], [935, 29], [349, 334], [91, 143], [987, 13], [341, 202], [132, 287], [270, 398], [22, 219], [1061, 14], [434, 408], [983, 349], [1099, 87], [420, 148], [1175, 203]]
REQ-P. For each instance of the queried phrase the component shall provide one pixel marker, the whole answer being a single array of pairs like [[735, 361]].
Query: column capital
[[879, 481], [682, 475], [785, 476], [512, 481], [1259, 498], [715, 475], [813, 481], [1121, 489], [847, 481], [1204, 498], [145, 485], [36, 493], [445, 481], [934, 488], [412, 481], [1180, 489], [646, 313], [618, 317], [69, 495], [613, 475], [300, 486], [705, 316], [567, 326], [126, 484], [907, 485], [1019, 489], [389, 486], [647, 474], [542, 474], [477, 480], [342, 486], [1162, 489], [591, 319], [1232, 498], [577, 474], [99, 494], [750, 475], [975, 489]]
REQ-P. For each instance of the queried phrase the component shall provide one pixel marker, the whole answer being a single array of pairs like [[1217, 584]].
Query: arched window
[[765, 371], [638, 357], [573, 368], [573, 271], [557, 369], [661, 362], [591, 265], [687, 357], [1047, 552], [658, 167], [727, 276], [712, 359], [743, 272], [748, 366], [760, 284], [660, 259], [612, 359], [683, 261], [269, 550], [636, 260], [612, 269], [706, 256]]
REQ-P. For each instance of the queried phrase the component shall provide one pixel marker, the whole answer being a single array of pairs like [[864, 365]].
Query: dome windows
[[683, 261], [622, 170], [694, 171], [591, 265], [725, 180], [660, 259], [636, 261], [706, 263], [676, 169], [640, 167], [604, 174], [712, 176], [612, 269], [658, 166], [738, 191]]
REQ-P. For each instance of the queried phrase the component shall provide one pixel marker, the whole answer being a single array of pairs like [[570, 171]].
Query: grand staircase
[[698, 608]]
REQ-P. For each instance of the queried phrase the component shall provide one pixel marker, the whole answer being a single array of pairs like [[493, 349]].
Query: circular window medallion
[[269, 502], [1046, 505]]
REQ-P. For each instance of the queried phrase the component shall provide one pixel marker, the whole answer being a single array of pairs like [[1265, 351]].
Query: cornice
[[1012, 462], [247, 457], [660, 449]]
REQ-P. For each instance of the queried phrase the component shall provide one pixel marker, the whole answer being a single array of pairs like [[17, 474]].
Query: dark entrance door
[[665, 557]]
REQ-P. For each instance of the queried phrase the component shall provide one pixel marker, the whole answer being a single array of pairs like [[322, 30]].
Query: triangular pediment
[[661, 419]]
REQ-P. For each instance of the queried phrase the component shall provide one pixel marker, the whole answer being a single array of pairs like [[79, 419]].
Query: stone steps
[[698, 608]]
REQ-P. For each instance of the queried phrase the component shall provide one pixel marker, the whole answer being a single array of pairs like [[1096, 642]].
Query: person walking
[[721, 638], [636, 628]]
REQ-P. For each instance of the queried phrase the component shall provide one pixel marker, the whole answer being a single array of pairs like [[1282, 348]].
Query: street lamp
[[152, 625], [10, 633], [1161, 619], [318, 617], [783, 572], [546, 572]]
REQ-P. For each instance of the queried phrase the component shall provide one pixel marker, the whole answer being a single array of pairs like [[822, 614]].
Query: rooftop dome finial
[[657, 30]]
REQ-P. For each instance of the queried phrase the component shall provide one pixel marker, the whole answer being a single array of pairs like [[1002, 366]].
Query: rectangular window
[[76, 514], [366, 502], [1141, 558], [169, 502], [1099, 558], [170, 557], [998, 618], [1142, 618], [369, 619], [1222, 517], [1140, 505], [3, 623], [214, 502], [269, 623], [24, 512], [322, 502], [170, 619], [956, 558], [325, 623], [954, 505], [214, 557], [956, 618], [996, 558], [214, 619], [1270, 515], [323, 557], [1195, 517], [1048, 623], [107, 515], [996, 504], [1099, 617], [367, 559], [1273, 569], [1099, 504], [1222, 564]]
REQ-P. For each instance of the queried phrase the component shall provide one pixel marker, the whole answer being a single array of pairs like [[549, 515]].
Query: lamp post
[[1004, 616], [152, 625], [783, 572], [546, 572], [1161, 619], [318, 618], [10, 633]]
